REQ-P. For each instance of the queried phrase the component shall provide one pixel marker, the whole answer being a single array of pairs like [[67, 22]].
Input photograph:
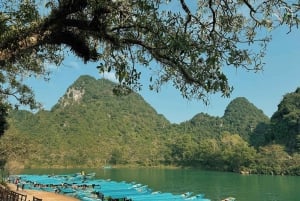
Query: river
[[215, 185]]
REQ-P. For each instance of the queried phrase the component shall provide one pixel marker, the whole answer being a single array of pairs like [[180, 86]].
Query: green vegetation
[[286, 122], [92, 127], [189, 46]]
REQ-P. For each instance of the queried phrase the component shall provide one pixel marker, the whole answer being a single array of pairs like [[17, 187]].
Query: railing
[[7, 195], [36, 199], [14, 196]]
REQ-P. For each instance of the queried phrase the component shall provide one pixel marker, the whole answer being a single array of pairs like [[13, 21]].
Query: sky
[[265, 89]]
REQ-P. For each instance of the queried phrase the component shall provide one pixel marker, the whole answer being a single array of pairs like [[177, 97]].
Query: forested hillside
[[90, 126], [285, 123], [240, 117]]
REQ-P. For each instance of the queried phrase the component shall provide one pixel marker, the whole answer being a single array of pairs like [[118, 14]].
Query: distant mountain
[[203, 126], [90, 123], [240, 117]]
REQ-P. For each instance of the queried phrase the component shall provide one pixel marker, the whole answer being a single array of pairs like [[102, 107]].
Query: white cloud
[[73, 64], [110, 76], [51, 67], [70, 64]]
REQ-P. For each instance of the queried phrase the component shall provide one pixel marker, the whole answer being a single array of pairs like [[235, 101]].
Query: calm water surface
[[215, 185]]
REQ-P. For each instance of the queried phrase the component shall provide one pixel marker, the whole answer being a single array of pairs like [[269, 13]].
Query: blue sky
[[264, 89]]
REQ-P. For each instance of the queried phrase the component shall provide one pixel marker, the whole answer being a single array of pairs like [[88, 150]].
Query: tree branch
[[249, 6], [189, 14], [213, 17]]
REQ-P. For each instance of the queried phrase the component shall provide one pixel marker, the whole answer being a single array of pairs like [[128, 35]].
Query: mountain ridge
[[90, 126]]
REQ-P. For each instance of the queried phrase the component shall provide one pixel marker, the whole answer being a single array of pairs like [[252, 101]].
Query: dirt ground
[[46, 196]]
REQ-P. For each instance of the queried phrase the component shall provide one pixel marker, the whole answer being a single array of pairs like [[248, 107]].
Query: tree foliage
[[191, 44]]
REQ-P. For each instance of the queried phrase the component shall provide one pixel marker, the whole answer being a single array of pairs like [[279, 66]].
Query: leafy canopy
[[190, 44]]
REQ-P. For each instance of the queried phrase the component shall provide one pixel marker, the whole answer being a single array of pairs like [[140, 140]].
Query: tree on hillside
[[190, 46], [236, 153]]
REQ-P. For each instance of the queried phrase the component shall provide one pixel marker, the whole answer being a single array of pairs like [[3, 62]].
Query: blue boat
[[86, 188]]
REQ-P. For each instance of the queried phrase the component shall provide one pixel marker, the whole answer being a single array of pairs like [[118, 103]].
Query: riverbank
[[46, 196]]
